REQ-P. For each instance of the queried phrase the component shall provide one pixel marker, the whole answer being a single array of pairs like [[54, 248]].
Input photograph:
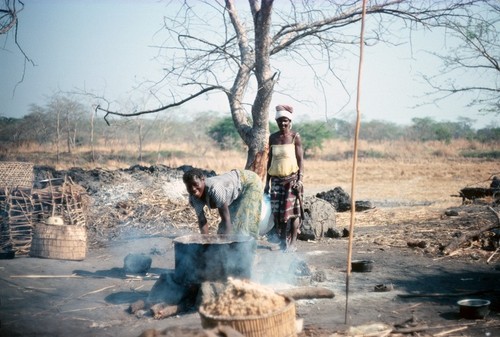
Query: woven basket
[[59, 242], [16, 174], [280, 323]]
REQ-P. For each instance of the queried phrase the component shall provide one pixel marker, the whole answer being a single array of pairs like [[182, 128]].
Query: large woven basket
[[280, 323], [59, 242], [16, 174]]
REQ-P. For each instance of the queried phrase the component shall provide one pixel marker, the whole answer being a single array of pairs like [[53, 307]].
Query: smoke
[[277, 269]]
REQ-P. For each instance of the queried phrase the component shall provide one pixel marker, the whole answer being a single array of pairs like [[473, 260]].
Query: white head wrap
[[284, 111]]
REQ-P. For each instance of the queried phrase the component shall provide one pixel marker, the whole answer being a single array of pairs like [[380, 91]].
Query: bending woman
[[284, 178], [236, 194]]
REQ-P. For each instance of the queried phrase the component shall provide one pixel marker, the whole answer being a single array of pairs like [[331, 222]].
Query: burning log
[[163, 310], [136, 306]]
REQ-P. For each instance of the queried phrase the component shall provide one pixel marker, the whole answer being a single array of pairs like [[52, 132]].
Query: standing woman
[[284, 178], [236, 194]]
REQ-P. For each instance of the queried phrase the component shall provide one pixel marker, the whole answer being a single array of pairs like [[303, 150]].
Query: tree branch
[[162, 108]]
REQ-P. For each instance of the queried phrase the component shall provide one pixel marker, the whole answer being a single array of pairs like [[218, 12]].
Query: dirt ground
[[47, 297]]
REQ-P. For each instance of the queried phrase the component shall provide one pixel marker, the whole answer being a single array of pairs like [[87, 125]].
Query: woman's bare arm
[[226, 218]]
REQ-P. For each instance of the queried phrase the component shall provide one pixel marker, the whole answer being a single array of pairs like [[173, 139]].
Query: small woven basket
[[16, 174], [280, 323]]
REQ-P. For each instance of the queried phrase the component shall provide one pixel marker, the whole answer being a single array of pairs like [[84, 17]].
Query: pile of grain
[[244, 298]]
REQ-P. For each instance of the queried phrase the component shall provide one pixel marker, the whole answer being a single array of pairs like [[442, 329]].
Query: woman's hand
[[203, 224], [297, 186]]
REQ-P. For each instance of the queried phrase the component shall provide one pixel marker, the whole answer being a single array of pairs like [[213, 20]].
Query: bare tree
[[477, 53], [9, 21], [213, 46], [68, 115], [8, 15]]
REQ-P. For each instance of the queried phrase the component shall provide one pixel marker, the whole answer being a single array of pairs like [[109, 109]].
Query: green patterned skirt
[[245, 211]]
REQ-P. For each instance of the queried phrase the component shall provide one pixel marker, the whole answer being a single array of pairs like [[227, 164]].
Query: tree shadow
[[445, 288], [126, 297]]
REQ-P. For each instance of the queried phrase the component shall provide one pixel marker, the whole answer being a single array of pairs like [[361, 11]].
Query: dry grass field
[[393, 171], [399, 174]]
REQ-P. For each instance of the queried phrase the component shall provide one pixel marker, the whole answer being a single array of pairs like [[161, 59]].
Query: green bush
[[482, 154], [313, 134], [224, 133]]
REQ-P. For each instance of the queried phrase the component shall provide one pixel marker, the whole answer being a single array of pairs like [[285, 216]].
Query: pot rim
[[473, 303], [212, 239], [362, 261]]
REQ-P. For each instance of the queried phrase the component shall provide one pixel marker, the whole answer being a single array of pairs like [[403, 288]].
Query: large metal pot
[[213, 257]]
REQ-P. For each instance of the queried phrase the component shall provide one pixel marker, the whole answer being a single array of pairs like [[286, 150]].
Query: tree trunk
[[92, 137], [68, 134], [140, 142], [255, 136], [58, 136], [259, 163]]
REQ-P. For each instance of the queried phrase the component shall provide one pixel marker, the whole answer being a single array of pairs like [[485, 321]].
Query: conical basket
[[59, 242], [280, 323]]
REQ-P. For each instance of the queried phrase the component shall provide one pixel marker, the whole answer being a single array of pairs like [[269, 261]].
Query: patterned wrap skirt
[[285, 202], [245, 210]]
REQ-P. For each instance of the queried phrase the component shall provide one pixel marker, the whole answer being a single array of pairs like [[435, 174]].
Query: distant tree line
[[314, 133], [65, 124]]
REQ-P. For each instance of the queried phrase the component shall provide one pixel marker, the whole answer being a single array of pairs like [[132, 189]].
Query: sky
[[107, 47]]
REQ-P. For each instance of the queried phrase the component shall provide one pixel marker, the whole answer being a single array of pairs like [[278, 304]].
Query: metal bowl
[[473, 308], [362, 266]]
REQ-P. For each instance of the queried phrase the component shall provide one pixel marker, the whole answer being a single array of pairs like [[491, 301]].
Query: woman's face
[[196, 187], [284, 124]]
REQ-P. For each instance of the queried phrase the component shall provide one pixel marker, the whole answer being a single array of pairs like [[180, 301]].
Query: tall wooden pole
[[354, 163]]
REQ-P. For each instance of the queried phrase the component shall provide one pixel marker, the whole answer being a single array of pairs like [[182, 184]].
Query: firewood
[[162, 310], [307, 293], [136, 306], [491, 256], [455, 244], [423, 327], [46, 276]]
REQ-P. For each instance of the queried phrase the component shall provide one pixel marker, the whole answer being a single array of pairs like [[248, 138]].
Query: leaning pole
[[354, 162]]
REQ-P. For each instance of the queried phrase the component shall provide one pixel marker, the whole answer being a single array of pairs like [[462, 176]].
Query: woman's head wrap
[[284, 111]]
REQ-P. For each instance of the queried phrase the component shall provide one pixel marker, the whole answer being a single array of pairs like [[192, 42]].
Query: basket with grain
[[251, 309]]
